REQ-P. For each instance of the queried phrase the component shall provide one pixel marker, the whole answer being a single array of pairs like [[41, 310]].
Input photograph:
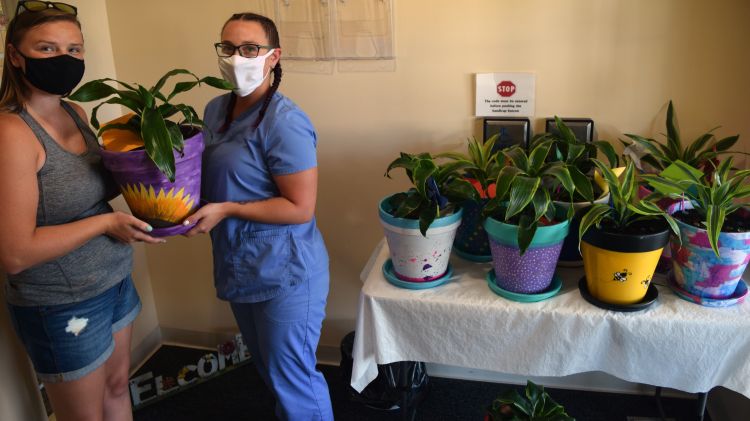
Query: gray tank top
[[71, 187]]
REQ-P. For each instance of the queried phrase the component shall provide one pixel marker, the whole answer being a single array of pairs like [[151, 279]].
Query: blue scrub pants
[[282, 335]]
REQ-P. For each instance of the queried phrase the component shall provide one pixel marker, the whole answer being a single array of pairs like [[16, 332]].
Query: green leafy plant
[[152, 110], [523, 190], [436, 188], [536, 405], [627, 209], [704, 149], [576, 154], [480, 164], [714, 197]]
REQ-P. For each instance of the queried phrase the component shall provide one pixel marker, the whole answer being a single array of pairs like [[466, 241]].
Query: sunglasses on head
[[38, 6]]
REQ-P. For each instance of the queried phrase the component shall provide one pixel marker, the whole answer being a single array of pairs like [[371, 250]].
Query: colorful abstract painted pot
[[418, 258], [531, 272], [150, 195], [619, 267], [698, 270], [569, 255]]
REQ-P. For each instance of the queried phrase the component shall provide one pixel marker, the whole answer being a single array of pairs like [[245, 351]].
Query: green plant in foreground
[[576, 154], [714, 197], [523, 190], [480, 163], [152, 112], [536, 405], [704, 149], [436, 188], [626, 207]]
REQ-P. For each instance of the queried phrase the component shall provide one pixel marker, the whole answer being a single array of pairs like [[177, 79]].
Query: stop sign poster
[[505, 94]]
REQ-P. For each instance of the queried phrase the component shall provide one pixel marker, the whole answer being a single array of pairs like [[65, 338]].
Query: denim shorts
[[68, 341]]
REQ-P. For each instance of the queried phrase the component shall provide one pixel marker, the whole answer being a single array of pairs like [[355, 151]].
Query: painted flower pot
[[418, 258], [619, 266], [149, 193], [699, 271], [569, 255], [531, 273], [471, 241]]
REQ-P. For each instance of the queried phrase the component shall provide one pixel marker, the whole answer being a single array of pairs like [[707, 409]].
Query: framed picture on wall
[[582, 128], [511, 130]]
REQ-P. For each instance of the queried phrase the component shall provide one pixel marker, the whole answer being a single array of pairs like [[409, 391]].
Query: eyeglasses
[[38, 6], [246, 50]]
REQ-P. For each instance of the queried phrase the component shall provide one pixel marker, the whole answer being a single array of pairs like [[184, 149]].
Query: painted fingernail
[[186, 222], [149, 228]]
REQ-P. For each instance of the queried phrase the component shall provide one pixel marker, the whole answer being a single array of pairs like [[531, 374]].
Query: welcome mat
[[173, 369]]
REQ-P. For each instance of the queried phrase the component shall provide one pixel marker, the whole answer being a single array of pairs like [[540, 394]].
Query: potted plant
[[621, 244], [155, 161], [525, 235], [701, 153], [420, 224], [535, 405], [576, 154], [713, 247], [480, 167]]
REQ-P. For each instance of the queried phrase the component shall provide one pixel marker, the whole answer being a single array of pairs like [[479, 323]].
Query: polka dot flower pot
[[531, 272], [418, 258]]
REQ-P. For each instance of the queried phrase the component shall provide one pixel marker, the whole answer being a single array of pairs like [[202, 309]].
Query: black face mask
[[57, 75]]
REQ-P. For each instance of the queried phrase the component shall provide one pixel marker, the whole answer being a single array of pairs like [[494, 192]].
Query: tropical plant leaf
[[426, 217], [582, 184], [158, 142], [608, 151], [163, 79], [596, 213], [522, 191]]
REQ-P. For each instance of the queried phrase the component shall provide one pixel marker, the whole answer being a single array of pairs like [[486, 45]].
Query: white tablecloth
[[673, 343]]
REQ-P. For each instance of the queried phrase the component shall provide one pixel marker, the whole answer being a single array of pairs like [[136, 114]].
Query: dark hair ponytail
[[269, 95]]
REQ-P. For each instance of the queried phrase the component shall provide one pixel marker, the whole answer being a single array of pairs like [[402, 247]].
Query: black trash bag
[[386, 391]]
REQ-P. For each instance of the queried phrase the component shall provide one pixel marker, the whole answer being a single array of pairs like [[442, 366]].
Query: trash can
[[403, 383]]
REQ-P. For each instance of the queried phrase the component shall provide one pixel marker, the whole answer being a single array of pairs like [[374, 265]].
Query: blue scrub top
[[255, 261]]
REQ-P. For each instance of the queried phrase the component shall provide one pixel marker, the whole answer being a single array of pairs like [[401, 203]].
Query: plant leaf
[[158, 142], [522, 191]]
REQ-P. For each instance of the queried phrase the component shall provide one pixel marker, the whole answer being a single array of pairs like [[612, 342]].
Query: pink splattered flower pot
[[418, 258], [698, 270], [531, 272]]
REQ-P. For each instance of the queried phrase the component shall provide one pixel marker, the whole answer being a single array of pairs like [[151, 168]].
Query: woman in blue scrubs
[[260, 181]]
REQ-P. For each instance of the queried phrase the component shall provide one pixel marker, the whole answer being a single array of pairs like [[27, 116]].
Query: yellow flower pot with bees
[[619, 266]]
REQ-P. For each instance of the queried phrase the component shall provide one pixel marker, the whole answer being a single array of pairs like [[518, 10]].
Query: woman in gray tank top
[[65, 252]]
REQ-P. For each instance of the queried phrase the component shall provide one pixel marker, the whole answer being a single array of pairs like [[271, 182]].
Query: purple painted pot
[[531, 272], [699, 271], [149, 193]]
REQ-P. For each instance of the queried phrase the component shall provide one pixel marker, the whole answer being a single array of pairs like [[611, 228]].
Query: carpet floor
[[239, 394]]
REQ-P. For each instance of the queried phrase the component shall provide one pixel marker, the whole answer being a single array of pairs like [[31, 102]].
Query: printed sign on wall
[[505, 94]]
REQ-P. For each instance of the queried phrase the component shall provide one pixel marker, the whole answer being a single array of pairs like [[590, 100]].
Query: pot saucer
[[553, 289], [390, 276], [651, 295], [737, 298], [472, 257]]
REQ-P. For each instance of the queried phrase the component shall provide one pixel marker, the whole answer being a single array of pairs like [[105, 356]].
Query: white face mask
[[246, 74]]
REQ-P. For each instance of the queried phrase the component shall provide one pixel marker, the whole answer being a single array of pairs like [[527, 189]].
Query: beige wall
[[618, 62]]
